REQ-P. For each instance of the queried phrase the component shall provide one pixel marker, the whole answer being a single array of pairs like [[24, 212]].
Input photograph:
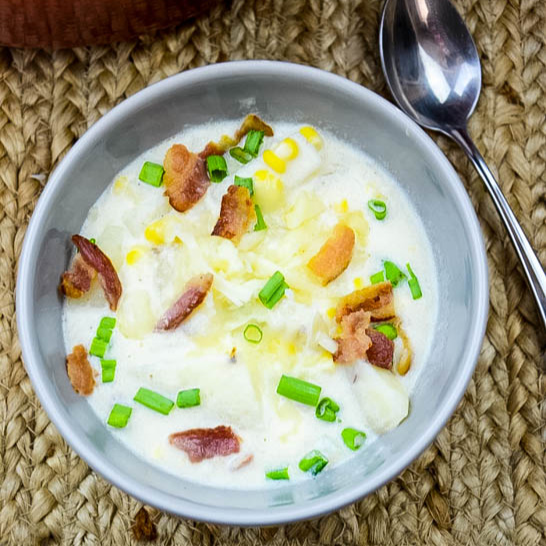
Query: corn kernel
[[358, 283], [134, 255], [271, 159], [261, 175], [312, 137], [287, 149], [155, 232], [291, 349], [331, 313]]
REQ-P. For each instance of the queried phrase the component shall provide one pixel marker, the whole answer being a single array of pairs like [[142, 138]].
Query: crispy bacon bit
[[185, 177], [80, 371], [77, 280], [251, 122], [95, 258], [377, 299], [335, 254], [354, 340], [195, 291], [406, 357], [236, 214], [205, 443], [381, 351]]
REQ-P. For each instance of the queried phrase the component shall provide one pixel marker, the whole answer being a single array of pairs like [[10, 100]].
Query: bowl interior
[[277, 92]]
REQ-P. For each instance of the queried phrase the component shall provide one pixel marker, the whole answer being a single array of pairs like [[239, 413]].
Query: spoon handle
[[536, 277]]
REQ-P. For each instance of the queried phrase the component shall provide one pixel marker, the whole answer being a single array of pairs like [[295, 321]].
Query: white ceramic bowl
[[276, 91]]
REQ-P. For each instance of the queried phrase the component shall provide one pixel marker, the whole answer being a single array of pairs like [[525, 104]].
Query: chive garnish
[[378, 207], [154, 401], [188, 398], [278, 474], [273, 290], [93, 241], [240, 155], [393, 273], [260, 223], [313, 462], [107, 322], [104, 333], [253, 333], [299, 390], [98, 347], [377, 277], [151, 173], [413, 283], [326, 410], [253, 142], [387, 329], [353, 438], [119, 416], [217, 167], [245, 183], [108, 370]]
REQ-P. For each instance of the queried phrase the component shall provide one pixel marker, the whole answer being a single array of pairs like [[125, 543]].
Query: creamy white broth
[[278, 432]]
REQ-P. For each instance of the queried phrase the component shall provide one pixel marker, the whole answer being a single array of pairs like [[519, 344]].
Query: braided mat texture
[[483, 481]]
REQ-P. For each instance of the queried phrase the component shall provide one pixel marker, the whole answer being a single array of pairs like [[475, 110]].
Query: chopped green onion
[[107, 322], [377, 277], [299, 390], [273, 290], [245, 183], [108, 370], [154, 401], [378, 207], [151, 173], [217, 167], [104, 333], [353, 438], [387, 329], [119, 416], [253, 142], [392, 273], [326, 410], [253, 333], [278, 474], [240, 155], [98, 347], [93, 241], [260, 224], [313, 462], [188, 398], [413, 283]]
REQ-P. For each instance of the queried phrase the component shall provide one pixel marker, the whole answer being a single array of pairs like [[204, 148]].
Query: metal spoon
[[433, 70]]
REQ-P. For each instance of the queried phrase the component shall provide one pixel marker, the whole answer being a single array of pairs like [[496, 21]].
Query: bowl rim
[[236, 516]]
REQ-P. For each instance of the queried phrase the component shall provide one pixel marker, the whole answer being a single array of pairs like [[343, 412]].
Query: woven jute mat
[[483, 480]]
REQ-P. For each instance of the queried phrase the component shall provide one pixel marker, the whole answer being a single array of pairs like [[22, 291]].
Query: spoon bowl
[[432, 67]]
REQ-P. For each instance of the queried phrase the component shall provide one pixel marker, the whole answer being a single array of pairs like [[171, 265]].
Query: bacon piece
[[381, 351], [335, 254], [95, 258], [185, 178], [236, 214], [80, 372], [377, 299], [195, 291], [77, 280], [242, 461], [354, 340], [250, 123], [205, 443]]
